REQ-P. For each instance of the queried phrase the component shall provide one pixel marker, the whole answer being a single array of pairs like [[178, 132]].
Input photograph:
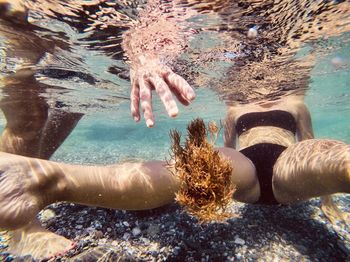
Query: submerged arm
[[156, 40]]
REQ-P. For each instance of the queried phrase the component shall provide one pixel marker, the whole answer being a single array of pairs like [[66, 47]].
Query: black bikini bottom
[[264, 157]]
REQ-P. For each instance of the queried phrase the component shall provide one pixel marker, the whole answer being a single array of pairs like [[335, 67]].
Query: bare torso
[[263, 134]]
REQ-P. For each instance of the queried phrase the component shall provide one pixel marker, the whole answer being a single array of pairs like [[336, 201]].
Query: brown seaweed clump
[[206, 188]]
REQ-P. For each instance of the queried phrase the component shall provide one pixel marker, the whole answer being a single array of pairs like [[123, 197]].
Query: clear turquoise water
[[329, 98], [107, 134], [109, 137], [114, 136]]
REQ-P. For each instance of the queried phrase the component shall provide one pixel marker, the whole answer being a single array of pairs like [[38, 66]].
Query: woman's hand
[[150, 75]]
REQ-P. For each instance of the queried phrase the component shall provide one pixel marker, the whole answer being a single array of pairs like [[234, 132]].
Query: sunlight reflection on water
[[76, 51]]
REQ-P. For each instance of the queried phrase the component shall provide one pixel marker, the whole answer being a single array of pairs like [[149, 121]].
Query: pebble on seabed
[[173, 235], [136, 231], [252, 32], [239, 241]]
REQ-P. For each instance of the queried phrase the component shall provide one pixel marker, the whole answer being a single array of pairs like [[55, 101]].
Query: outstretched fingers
[[180, 87], [146, 101], [135, 101], [165, 82], [165, 95]]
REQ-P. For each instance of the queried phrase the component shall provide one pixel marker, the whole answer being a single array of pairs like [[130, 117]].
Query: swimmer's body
[[29, 184], [267, 133], [306, 169]]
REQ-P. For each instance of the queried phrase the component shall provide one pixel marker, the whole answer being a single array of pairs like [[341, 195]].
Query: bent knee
[[249, 194]]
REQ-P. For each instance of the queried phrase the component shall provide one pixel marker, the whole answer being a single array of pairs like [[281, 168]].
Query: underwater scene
[[156, 130]]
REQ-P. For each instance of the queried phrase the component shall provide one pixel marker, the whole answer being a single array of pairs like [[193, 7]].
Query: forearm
[[151, 45], [130, 186]]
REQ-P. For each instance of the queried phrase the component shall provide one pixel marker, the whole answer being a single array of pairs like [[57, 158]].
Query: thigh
[[243, 176], [311, 168]]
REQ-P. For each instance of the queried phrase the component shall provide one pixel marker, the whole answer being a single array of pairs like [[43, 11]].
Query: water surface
[[68, 56]]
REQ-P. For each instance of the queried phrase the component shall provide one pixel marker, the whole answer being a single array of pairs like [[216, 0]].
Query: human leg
[[31, 130], [312, 168], [127, 186], [23, 193], [27, 131], [243, 176], [37, 241], [27, 185]]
